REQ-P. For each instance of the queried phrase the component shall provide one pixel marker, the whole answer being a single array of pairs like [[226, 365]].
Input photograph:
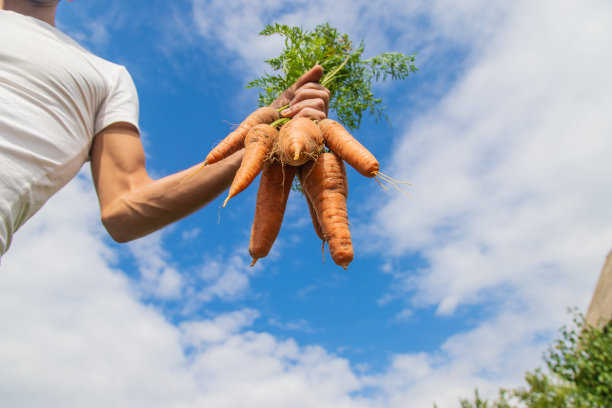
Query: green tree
[[579, 373]]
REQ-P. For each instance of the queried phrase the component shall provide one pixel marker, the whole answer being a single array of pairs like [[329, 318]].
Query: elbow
[[116, 230], [126, 220], [119, 238], [117, 225]]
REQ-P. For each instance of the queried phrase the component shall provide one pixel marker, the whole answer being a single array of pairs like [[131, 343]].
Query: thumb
[[287, 113], [314, 74]]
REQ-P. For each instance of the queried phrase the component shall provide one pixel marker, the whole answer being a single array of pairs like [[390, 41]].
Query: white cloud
[[158, 277], [197, 333], [431, 28], [231, 26], [235, 26], [75, 333], [190, 234], [495, 354], [256, 370], [511, 188], [94, 35], [297, 325], [509, 171], [225, 279]]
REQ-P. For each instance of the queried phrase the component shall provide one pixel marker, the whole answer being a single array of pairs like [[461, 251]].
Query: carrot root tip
[[388, 178], [253, 262], [323, 250], [381, 184], [378, 176]]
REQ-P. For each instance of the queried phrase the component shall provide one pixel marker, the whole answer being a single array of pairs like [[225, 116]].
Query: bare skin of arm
[[133, 205]]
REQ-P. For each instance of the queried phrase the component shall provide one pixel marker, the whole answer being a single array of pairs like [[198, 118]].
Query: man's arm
[[133, 205]]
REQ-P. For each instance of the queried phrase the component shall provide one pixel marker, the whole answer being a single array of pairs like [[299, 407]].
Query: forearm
[[154, 205]]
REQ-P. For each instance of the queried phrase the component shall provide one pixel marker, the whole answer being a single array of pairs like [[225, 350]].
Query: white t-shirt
[[54, 97]]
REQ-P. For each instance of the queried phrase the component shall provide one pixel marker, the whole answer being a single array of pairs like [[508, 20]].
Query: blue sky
[[504, 134]]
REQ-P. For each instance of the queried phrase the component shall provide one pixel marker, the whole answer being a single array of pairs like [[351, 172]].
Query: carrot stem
[[279, 122], [330, 76]]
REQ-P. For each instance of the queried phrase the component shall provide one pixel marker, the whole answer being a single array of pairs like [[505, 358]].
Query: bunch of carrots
[[314, 151], [297, 148]]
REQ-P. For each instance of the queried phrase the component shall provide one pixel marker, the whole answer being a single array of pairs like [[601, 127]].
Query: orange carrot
[[341, 142], [299, 140], [274, 188], [326, 185], [235, 140], [313, 214], [258, 144]]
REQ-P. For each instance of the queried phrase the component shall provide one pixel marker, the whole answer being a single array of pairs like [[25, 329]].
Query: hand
[[306, 97], [311, 100]]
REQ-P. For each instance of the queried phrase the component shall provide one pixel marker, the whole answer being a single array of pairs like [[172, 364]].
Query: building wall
[[600, 309]]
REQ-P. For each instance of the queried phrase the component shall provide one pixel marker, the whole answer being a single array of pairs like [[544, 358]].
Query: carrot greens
[[348, 77]]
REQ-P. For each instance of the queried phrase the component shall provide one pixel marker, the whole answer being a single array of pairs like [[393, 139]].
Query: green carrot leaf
[[348, 77]]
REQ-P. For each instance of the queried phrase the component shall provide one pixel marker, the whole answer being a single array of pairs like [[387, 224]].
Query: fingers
[[309, 112], [309, 105], [307, 81], [312, 90], [310, 100]]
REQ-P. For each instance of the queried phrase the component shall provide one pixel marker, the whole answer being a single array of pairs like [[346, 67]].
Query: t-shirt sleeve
[[120, 104]]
